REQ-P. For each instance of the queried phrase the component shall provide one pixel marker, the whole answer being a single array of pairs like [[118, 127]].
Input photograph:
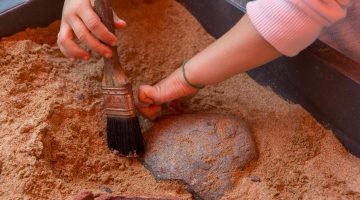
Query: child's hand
[[80, 19], [235, 52], [167, 90]]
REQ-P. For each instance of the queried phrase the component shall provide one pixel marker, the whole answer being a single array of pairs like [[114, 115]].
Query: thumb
[[147, 104], [168, 89], [146, 94], [119, 23]]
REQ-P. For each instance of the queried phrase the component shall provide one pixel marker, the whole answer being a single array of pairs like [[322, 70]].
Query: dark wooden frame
[[32, 13]]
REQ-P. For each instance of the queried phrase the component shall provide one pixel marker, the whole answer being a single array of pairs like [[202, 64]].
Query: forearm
[[243, 48], [240, 49]]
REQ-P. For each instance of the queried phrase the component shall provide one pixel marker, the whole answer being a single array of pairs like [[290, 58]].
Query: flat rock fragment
[[202, 150]]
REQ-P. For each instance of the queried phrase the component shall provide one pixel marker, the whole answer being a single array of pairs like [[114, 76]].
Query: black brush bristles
[[124, 135]]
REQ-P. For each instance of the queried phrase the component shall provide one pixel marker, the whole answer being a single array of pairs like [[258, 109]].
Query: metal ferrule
[[119, 102]]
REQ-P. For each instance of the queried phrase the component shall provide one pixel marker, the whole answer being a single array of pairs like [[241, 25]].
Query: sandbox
[[52, 140]]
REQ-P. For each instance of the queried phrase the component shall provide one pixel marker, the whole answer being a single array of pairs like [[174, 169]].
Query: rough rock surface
[[205, 151]]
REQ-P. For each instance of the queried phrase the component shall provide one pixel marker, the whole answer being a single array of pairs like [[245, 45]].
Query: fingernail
[[108, 55], [120, 21], [114, 43]]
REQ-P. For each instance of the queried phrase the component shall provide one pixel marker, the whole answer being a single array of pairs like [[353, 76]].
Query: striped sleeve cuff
[[287, 28]]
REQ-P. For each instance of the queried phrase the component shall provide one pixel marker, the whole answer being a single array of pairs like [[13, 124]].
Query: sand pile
[[52, 129]]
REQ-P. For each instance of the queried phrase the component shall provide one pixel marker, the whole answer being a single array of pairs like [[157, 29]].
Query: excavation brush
[[123, 128]]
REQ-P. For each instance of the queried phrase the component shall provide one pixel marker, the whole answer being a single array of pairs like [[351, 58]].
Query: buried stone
[[204, 151]]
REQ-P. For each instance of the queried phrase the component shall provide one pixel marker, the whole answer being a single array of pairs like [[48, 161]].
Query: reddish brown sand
[[52, 131]]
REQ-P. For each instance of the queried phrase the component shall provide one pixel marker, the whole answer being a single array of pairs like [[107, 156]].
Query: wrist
[[187, 89], [187, 81], [173, 87]]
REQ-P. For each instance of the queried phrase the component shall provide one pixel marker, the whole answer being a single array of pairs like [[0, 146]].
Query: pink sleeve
[[292, 25]]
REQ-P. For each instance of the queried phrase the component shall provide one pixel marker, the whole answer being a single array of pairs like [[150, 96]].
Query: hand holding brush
[[123, 128]]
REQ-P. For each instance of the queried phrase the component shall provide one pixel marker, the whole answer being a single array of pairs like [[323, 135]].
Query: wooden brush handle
[[112, 65], [104, 11]]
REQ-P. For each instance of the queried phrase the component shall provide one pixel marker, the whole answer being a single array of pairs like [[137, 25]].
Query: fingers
[[151, 112], [167, 90], [98, 29], [83, 34], [66, 44], [147, 104], [119, 23], [80, 19], [146, 94]]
